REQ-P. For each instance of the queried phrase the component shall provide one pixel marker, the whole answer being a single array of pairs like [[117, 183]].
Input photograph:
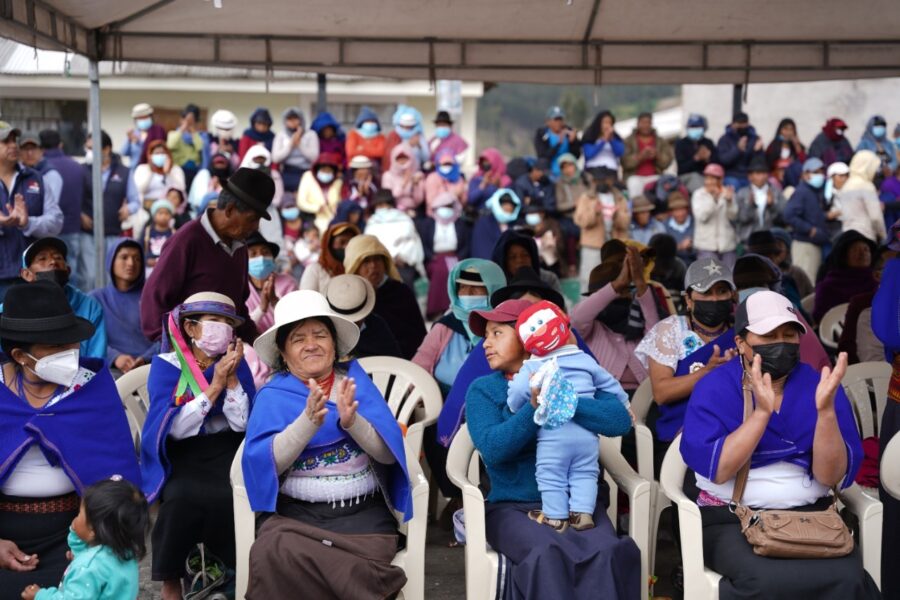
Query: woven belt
[[894, 385], [57, 504]]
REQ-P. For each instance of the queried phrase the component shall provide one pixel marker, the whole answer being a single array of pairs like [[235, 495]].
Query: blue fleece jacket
[[508, 442], [803, 212]]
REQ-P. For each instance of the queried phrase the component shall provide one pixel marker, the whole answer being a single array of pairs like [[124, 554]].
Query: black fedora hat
[[252, 187], [527, 279], [256, 238], [40, 313], [443, 117]]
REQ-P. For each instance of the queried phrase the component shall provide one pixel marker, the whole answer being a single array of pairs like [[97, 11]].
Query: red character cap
[[543, 327]]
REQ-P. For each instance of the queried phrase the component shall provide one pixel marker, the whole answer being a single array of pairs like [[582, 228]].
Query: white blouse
[[778, 486], [33, 476], [191, 417], [668, 342]]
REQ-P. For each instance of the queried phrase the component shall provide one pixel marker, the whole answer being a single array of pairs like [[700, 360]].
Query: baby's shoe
[[581, 521], [560, 525]]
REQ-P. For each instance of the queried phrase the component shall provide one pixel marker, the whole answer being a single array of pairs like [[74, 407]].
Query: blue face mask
[[444, 212], [472, 302], [695, 133], [445, 169], [325, 177], [442, 132], [816, 180], [159, 160], [404, 133], [369, 129], [290, 214], [144, 124], [261, 267], [879, 131], [533, 219]]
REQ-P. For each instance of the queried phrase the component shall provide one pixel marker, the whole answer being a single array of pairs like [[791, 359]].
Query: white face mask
[[59, 368]]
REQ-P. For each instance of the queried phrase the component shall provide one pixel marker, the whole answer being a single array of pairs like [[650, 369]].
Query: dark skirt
[[328, 552], [42, 534], [595, 563], [196, 503], [890, 536], [746, 576]]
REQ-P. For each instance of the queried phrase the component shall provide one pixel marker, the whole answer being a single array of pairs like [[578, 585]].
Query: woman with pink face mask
[[200, 391]]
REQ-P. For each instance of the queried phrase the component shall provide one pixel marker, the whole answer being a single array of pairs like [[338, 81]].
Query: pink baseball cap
[[714, 170], [763, 312], [507, 311]]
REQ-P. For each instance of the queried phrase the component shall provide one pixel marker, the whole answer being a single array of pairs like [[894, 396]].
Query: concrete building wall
[[809, 104]]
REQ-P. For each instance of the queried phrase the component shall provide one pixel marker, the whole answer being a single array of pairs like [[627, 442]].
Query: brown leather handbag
[[789, 533]]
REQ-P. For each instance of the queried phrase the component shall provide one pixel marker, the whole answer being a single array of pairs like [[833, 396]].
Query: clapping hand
[[719, 359], [267, 294], [315, 404], [761, 383], [829, 381], [346, 402], [636, 266]]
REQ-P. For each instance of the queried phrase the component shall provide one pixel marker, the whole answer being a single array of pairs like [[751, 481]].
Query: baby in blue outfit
[[567, 454]]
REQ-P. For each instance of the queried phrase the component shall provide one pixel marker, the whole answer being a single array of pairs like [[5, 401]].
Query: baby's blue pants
[[567, 470]]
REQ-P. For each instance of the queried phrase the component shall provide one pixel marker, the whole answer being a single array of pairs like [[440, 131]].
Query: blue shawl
[[85, 433], [163, 380], [475, 366], [280, 401], [716, 409], [671, 415]]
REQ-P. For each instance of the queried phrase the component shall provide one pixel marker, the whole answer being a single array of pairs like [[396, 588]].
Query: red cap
[[506, 312], [714, 170]]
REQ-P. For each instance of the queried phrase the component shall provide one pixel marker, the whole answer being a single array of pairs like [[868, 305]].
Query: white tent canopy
[[547, 41]]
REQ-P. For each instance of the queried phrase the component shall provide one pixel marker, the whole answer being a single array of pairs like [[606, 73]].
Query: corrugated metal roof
[[18, 59]]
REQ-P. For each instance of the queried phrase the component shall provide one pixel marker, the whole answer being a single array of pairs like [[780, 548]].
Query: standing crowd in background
[[241, 263]]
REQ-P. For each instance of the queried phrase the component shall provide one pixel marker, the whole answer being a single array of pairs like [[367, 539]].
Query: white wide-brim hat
[[298, 306], [351, 296]]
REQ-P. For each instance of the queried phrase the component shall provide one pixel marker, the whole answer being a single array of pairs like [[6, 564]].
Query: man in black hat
[[46, 260], [445, 140], [209, 254], [759, 204]]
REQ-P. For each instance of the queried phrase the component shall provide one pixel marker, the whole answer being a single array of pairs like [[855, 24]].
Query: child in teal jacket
[[107, 541]]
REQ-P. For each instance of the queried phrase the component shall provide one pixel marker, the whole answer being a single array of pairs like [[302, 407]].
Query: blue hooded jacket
[[324, 120], [120, 311], [870, 142], [366, 114]]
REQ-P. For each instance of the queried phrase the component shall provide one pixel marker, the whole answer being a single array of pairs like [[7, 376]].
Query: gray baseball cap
[[30, 137], [705, 273], [6, 130]]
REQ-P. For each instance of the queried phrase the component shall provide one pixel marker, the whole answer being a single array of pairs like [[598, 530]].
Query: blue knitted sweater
[[508, 442]]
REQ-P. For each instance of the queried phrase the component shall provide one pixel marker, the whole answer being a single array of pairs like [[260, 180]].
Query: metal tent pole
[[96, 175], [737, 103], [322, 95]]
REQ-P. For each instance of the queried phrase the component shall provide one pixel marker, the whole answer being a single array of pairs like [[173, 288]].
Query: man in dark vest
[[71, 175], [24, 213], [120, 200]]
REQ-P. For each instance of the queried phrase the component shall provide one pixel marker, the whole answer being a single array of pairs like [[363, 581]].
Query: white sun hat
[[297, 306]]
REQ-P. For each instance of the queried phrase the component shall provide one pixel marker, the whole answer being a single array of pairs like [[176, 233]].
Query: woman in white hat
[[200, 392], [325, 454], [353, 297]]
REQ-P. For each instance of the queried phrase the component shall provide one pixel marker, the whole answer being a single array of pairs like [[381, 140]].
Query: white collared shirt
[[207, 225]]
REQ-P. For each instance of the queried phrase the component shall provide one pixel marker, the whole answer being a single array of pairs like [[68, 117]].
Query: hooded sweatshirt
[[510, 237], [829, 146], [860, 207], [294, 159], [359, 145], [393, 138], [478, 194], [406, 181], [251, 136], [882, 146], [334, 144], [121, 309], [839, 282]]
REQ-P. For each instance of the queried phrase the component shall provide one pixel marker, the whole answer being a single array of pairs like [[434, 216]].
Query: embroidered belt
[[894, 385], [57, 504]]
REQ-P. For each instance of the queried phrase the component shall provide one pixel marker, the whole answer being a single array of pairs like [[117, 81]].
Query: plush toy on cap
[[543, 327]]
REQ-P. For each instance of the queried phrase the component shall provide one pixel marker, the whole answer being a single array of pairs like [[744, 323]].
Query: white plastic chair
[[861, 380], [832, 325], [808, 303], [411, 558], [132, 388], [701, 583], [482, 563], [640, 405], [889, 471]]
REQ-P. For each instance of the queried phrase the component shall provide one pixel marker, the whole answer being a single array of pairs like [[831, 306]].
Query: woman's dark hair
[[285, 330], [117, 512], [8, 345], [593, 130]]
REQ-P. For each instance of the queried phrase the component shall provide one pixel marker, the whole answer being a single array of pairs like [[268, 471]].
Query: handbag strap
[[740, 481]]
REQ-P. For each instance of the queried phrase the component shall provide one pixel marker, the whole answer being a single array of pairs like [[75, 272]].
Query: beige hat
[[223, 120], [205, 303], [362, 247], [360, 162], [641, 204], [351, 296], [141, 110], [298, 306]]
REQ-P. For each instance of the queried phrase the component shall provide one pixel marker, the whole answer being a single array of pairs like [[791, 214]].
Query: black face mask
[[338, 253], [615, 315], [57, 276], [778, 359], [485, 166], [221, 174], [712, 313]]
